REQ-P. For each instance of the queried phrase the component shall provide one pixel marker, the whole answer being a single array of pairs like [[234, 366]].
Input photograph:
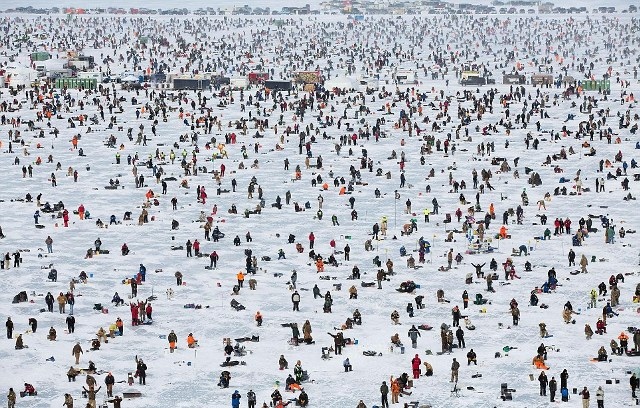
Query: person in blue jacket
[[235, 399], [143, 272]]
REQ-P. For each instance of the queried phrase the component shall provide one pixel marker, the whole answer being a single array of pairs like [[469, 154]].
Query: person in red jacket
[[29, 389], [148, 311], [134, 314], [415, 365], [312, 239]]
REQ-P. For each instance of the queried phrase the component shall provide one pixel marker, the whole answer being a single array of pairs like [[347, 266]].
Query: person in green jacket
[[384, 391], [11, 398]]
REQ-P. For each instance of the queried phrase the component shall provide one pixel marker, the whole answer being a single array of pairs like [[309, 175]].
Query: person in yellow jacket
[[112, 330]]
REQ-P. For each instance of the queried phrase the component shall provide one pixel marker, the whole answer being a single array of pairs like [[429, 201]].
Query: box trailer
[[238, 83], [278, 85], [258, 77], [97, 75], [406, 77], [190, 83]]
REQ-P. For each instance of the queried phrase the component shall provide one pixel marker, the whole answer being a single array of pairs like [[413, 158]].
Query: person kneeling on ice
[[29, 390], [117, 300], [428, 368], [291, 384], [225, 377], [191, 342]]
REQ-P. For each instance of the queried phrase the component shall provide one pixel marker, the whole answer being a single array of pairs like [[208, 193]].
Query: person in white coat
[[600, 397]]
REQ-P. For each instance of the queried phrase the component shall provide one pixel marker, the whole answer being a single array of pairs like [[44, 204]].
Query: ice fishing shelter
[[40, 56], [514, 79], [307, 77], [82, 62], [541, 79]]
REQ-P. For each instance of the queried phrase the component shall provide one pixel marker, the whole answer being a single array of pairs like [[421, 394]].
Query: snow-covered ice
[[188, 377]]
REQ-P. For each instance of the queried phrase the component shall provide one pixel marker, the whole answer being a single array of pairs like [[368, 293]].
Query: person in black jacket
[[553, 386], [275, 397], [49, 301], [141, 371], [9, 325], [542, 379], [109, 381], [71, 323], [34, 324], [564, 376]]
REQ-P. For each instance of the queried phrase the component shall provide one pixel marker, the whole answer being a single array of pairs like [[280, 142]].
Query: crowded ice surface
[[303, 204]]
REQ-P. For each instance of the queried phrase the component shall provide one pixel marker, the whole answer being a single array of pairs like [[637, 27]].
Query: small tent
[[341, 83]]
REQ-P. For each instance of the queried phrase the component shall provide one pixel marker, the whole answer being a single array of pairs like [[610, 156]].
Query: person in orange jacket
[[624, 340], [395, 390], [240, 277], [191, 342]]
